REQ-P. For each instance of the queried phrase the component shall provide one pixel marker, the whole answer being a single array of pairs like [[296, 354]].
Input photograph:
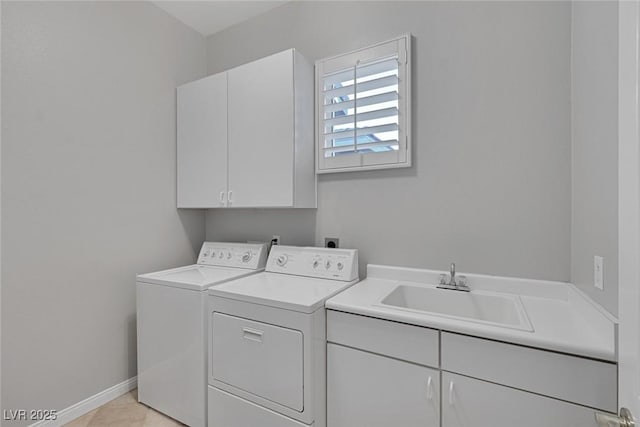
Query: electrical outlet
[[598, 272], [331, 242], [275, 240]]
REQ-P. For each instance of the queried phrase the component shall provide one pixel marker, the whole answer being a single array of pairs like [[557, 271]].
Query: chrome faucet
[[456, 285]]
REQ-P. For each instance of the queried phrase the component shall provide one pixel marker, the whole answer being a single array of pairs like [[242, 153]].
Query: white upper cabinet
[[261, 122], [259, 151], [202, 142]]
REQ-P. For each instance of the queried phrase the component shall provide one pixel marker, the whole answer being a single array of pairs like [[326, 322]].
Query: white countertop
[[563, 318]]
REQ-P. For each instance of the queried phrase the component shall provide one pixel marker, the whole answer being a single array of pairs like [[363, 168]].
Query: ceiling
[[209, 17]]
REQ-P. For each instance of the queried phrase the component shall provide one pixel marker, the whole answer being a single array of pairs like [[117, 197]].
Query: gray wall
[[88, 188], [595, 148], [490, 188]]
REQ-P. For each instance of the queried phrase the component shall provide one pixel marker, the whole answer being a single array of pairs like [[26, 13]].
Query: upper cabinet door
[[202, 143], [261, 132]]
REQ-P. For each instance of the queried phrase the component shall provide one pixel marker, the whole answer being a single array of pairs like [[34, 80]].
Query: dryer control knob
[[247, 256], [316, 263], [282, 260], [327, 265], [228, 255]]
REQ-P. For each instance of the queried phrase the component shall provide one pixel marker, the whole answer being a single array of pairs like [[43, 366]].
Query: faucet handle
[[462, 281]]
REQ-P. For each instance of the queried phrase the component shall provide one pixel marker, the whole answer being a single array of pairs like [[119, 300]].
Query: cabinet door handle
[[222, 198], [451, 393], [430, 389], [230, 198]]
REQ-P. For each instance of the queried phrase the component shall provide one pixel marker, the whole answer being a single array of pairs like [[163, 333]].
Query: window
[[364, 108]]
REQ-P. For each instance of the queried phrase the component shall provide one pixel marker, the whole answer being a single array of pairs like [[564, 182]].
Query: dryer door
[[259, 358]]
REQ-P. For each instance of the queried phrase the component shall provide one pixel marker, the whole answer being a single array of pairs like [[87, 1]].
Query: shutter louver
[[361, 109]]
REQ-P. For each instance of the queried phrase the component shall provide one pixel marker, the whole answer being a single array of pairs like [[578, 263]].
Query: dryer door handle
[[252, 334]]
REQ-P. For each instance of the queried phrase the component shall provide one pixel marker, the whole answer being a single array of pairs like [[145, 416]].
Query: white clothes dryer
[[267, 339]]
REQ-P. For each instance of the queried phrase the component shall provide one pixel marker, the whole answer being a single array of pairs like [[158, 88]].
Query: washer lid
[[195, 277], [297, 293]]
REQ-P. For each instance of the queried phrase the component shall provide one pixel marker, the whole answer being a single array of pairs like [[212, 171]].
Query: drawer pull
[[252, 334], [451, 393], [429, 389]]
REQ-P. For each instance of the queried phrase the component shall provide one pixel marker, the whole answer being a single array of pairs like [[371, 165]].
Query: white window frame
[[400, 46]]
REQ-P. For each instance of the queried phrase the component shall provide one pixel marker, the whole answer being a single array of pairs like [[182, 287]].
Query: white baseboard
[[89, 404]]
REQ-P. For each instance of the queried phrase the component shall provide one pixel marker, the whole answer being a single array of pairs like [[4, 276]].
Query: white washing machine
[[267, 339], [172, 327]]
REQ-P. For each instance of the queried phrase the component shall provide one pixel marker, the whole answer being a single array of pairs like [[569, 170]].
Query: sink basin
[[475, 306]]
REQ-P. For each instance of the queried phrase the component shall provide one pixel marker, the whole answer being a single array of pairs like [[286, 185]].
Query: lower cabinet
[[376, 377], [367, 390], [468, 402]]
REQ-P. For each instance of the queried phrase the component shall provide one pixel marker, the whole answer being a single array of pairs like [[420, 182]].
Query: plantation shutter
[[363, 109]]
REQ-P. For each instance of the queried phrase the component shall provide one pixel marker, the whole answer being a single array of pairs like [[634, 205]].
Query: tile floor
[[125, 411]]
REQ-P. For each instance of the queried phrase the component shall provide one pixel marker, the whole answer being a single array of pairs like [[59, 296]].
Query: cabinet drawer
[[406, 342], [574, 379], [259, 358], [367, 390], [473, 403]]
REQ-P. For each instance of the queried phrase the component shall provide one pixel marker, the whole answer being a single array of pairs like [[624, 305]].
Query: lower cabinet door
[[367, 390], [467, 402]]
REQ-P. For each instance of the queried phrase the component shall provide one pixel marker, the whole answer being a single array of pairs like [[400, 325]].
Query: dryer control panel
[[323, 263], [251, 256]]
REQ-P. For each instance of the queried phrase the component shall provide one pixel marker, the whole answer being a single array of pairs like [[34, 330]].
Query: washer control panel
[[240, 255], [324, 263]]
